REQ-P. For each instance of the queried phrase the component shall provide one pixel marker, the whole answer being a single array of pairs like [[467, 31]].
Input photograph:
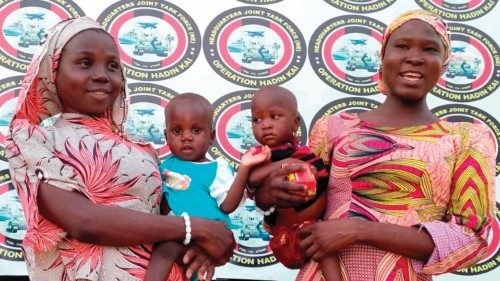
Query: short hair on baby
[[191, 99]]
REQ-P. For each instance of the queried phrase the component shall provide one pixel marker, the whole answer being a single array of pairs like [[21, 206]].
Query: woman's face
[[89, 77], [413, 60]]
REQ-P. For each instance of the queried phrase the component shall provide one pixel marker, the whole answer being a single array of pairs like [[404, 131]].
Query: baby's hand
[[253, 157]]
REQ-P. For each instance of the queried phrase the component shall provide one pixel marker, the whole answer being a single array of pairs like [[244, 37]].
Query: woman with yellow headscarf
[[409, 195]]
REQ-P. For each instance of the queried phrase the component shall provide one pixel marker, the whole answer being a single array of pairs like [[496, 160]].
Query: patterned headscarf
[[434, 20], [38, 98]]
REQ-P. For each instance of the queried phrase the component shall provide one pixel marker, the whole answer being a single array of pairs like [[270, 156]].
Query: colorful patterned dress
[[82, 154], [439, 177]]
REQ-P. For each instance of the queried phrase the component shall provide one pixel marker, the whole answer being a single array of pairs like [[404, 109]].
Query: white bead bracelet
[[265, 213], [187, 222]]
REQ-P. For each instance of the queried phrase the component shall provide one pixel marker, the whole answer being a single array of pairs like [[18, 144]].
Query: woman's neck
[[396, 113]]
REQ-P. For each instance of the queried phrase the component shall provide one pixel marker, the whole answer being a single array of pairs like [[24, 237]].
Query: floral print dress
[[83, 154]]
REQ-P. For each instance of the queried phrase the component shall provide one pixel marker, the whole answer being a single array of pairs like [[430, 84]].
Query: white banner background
[[190, 71]]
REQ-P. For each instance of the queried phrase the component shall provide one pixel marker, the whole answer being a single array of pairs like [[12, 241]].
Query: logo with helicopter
[[157, 40], [345, 53], [24, 25], [474, 69], [254, 47], [146, 114]]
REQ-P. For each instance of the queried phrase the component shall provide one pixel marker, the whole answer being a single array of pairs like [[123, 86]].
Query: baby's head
[[188, 126], [275, 118]]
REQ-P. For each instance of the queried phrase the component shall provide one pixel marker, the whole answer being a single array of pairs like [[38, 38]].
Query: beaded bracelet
[[265, 213], [187, 222]]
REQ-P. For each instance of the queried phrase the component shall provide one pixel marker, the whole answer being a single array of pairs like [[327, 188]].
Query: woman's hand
[[277, 191], [327, 237], [215, 238], [197, 260]]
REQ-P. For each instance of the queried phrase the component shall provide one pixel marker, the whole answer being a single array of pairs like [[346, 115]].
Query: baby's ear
[[296, 122], [165, 134], [212, 136]]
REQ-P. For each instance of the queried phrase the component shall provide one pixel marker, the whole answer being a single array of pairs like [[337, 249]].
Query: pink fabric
[[371, 170]]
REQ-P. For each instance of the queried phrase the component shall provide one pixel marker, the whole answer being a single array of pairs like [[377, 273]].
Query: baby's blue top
[[207, 187]]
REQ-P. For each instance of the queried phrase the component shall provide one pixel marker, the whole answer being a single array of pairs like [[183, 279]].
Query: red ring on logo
[[279, 66], [488, 66], [179, 31]]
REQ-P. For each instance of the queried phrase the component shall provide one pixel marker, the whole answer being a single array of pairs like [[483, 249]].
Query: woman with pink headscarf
[[409, 195], [89, 193]]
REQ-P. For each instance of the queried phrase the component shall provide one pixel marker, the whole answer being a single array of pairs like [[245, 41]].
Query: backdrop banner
[[325, 51]]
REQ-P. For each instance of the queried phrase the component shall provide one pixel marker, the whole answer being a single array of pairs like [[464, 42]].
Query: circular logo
[[254, 47], [361, 6], [351, 105], [233, 125], [251, 237], [467, 113], [492, 257], [474, 69], [157, 40], [458, 10], [9, 91], [345, 53], [12, 223], [146, 117], [260, 2], [24, 25]]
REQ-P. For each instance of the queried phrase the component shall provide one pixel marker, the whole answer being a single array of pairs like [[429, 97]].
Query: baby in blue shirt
[[192, 183]]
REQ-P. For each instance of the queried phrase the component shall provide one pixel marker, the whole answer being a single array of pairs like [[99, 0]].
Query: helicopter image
[[255, 33], [145, 25], [358, 41], [35, 16], [457, 49], [142, 112]]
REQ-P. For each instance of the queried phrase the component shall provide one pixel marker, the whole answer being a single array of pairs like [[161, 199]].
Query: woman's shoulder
[[471, 134], [468, 128], [343, 116], [337, 122], [21, 130]]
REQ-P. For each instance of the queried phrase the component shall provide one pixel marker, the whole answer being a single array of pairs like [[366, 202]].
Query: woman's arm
[[461, 240], [116, 226], [327, 237]]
